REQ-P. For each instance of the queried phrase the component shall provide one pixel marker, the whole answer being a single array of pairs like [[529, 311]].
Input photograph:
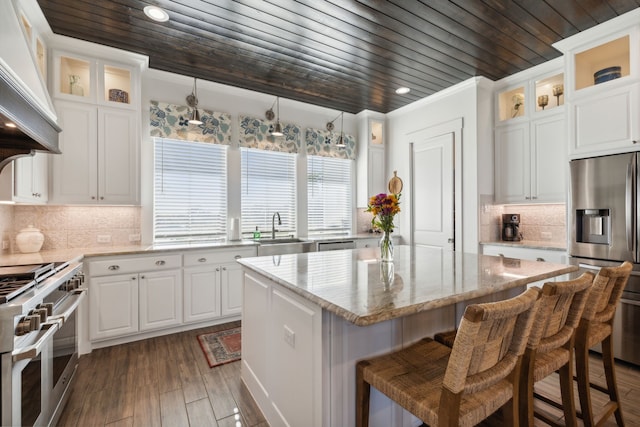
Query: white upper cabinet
[[98, 105], [602, 66], [531, 137], [370, 163]]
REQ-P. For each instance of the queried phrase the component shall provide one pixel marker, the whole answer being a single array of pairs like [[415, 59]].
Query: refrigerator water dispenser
[[593, 226]]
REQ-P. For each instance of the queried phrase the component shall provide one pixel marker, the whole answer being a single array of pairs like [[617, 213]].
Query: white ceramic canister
[[29, 240]]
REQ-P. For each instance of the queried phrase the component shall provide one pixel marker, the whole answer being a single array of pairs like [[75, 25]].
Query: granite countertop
[[77, 254], [530, 244], [352, 284]]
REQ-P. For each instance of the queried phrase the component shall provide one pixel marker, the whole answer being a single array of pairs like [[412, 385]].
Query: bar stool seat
[[462, 385]]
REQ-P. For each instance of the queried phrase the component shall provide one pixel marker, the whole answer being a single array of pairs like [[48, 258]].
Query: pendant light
[[192, 101], [277, 130], [341, 142], [331, 127]]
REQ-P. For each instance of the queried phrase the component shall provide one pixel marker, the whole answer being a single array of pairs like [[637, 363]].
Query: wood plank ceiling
[[342, 54]]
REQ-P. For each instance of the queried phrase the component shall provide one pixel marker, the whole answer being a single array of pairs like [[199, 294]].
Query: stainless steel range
[[38, 340]]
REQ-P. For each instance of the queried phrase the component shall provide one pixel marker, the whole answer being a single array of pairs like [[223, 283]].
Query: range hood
[[27, 119]]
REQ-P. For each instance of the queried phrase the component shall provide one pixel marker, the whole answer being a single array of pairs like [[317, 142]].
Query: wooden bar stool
[[462, 385], [550, 345], [596, 327]]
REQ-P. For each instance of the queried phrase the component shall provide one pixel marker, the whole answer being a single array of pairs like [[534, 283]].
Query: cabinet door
[[30, 181], [160, 299], [117, 156], [376, 180], [113, 306], [549, 160], [606, 122], [231, 285], [512, 163], [74, 172], [201, 293]]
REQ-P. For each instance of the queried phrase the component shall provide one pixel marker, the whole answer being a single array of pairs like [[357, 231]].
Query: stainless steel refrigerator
[[605, 217]]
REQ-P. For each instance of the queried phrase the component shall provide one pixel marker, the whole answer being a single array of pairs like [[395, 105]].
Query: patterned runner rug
[[222, 346]]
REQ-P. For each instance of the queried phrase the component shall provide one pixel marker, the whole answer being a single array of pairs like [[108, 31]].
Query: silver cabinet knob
[[113, 267], [160, 262], [202, 259]]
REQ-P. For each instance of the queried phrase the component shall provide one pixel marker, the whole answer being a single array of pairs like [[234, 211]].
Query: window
[[268, 186], [329, 193], [190, 191]]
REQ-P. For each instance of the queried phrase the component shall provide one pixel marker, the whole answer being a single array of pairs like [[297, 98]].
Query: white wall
[[469, 101], [173, 88]]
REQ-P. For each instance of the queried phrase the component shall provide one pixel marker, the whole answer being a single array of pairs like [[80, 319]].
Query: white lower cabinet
[[113, 302], [160, 299], [129, 295], [531, 254], [367, 243], [213, 283]]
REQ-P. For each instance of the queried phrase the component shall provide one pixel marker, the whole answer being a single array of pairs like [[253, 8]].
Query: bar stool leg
[[363, 392], [610, 375], [584, 393], [566, 391]]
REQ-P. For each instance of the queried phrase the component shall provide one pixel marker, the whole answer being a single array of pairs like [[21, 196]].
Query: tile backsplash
[[537, 222], [67, 227]]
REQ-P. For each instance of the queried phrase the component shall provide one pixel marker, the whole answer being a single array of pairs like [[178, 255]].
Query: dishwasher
[[334, 245]]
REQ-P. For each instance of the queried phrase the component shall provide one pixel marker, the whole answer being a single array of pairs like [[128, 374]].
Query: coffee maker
[[511, 227]]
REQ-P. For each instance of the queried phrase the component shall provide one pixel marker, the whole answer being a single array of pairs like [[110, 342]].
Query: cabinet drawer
[[217, 256], [531, 254], [134, 265]]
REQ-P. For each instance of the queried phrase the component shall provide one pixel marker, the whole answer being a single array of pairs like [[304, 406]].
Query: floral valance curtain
[[256, 133], [323, 143], [171, 121]]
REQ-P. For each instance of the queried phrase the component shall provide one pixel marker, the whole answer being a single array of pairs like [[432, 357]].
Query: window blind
[[329, 195], [268, 186], [190, 190]]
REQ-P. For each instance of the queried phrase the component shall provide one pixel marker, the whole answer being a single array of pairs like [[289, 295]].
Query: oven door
[[65, 351], [26, 380]]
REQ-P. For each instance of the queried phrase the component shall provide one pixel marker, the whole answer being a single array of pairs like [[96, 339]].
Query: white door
[[432, 190]]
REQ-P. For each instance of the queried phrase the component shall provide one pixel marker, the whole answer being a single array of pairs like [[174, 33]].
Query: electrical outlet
[[134, 237], [104, 238], [289, 336], [545, 235]]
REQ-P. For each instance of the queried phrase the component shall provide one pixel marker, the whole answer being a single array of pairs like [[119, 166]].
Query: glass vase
[[386, 247]]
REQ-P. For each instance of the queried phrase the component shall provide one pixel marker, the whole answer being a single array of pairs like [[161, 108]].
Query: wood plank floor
[[166, 381]]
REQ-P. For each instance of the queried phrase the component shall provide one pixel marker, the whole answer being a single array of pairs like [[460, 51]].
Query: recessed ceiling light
[[155, 13], [402, 90], [10, 125]]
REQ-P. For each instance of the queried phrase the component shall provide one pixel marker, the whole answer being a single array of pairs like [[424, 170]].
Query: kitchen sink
[[285, 246]]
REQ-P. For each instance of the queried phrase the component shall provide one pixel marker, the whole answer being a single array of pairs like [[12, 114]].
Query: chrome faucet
[[273, 224]]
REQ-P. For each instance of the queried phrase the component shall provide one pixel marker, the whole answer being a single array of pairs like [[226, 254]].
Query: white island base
[[298, 360], [307, 319]]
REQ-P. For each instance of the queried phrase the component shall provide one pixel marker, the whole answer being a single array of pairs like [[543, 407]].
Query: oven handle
[[77, 295], [32, 351]]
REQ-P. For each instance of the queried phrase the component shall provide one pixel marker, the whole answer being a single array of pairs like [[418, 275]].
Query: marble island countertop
[[355, 285]]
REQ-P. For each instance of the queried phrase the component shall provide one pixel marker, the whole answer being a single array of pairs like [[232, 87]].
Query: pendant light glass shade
[[195, 117], [277, 129]]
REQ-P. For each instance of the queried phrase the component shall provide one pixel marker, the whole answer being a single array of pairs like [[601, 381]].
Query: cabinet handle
[[224, 268], [540, 259], [534, 197], [101, 197], [217, 268], [113, 267], [133, 278], [635, 141], [527, 198], [142, 277], [93, 197], [237, 256], [161, 262], [202, 260]]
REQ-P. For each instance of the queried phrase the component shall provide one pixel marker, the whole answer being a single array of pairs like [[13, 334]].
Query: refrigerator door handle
[[629, 206]]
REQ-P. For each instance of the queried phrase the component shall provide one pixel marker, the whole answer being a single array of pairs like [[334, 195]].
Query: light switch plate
[[289, 336]]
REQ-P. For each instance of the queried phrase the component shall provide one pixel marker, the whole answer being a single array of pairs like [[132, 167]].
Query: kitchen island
[[308, 318]]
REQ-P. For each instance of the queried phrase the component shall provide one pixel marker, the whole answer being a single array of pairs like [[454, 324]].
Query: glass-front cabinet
[[84, 79], [602, 65]]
